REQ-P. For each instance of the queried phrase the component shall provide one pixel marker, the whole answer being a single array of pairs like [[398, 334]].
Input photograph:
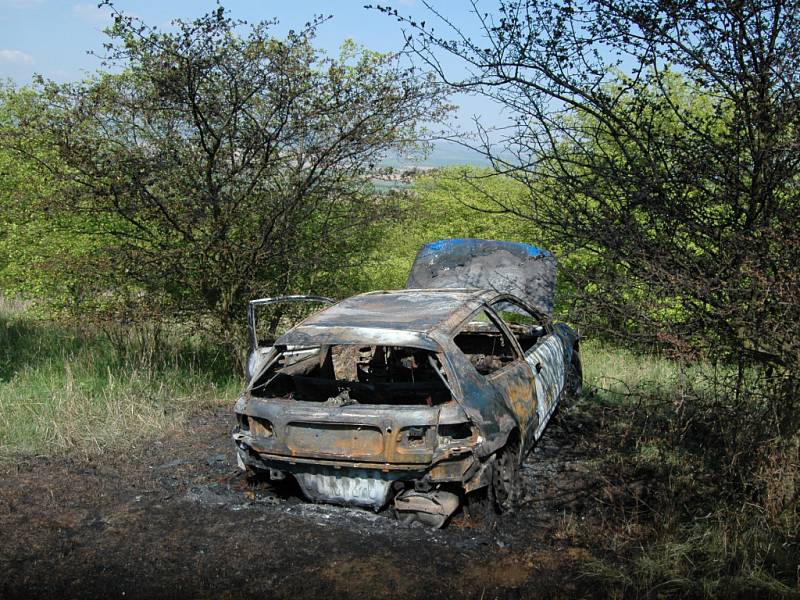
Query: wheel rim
[[505, 479]]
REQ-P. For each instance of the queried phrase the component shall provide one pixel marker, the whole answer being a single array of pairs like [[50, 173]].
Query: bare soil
[[175, 518]]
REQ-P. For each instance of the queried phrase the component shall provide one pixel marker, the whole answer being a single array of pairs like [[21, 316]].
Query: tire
[[574, 382], [506, 487]]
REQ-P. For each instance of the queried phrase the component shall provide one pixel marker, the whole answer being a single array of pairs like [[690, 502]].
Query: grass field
[[683, 512], [81, 389], [71, 388]]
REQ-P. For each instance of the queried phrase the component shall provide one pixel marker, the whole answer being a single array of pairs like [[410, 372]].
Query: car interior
[[348, 374]]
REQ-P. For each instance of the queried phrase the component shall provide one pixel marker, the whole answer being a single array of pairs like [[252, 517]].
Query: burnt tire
[[574, 380], [506, 487], [479, 506]]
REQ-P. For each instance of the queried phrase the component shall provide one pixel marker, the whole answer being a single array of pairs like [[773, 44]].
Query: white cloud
[[91, 13], [15, 57]]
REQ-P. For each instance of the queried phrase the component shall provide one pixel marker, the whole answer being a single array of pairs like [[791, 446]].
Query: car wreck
[[418, 399]]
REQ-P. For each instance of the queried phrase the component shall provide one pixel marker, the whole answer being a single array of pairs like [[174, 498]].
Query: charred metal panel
[[515, 384], [368, 489], [451, 470], [547, 362], [481, 400], [307, 336], [451, 413], [302, 438], [508, 267], [404, 310], [359, 433]]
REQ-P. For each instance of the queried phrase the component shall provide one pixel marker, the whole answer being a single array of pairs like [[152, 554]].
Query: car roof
[[412, 310], [401, 311]]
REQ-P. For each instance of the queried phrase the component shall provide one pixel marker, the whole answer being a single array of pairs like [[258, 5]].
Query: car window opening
[[526, 327], [341, 375], [486, 347]]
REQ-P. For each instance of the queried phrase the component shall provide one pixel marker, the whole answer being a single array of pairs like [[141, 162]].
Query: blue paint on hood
[[449, 244]]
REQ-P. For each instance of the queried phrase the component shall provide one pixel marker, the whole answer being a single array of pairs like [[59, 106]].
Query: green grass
[[616, 374], [614, 371], [81, 389], [715, 512]]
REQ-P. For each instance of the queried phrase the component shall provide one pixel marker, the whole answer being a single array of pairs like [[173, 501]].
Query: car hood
[[515, 268]]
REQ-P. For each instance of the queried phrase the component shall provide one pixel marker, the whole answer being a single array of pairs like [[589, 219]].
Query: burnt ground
[[174, 517]]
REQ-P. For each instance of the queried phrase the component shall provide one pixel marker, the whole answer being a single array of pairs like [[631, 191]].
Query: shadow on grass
[[694, 494], [26, 343]]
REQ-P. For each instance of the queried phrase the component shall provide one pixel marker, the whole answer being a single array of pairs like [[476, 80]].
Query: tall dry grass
[[698, 471], [83, 389]]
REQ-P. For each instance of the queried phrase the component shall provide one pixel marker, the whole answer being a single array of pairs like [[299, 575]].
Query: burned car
[[419, 398]]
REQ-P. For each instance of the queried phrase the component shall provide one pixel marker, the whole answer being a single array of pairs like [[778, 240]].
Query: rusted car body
[[418, 398]]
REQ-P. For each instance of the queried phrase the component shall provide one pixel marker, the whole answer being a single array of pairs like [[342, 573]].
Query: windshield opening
[[341, 375]]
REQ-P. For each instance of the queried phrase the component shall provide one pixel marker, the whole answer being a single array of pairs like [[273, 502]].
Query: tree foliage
[[443, 203], [658, 143], [217, 162], [34, 241], [659, 138]]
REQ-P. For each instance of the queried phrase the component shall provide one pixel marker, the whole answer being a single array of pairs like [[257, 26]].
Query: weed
[[80, 388], [698, 479]]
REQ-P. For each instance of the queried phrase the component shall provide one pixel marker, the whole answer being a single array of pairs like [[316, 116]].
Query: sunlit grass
[[674, 433], [615, 373], [67, 390]]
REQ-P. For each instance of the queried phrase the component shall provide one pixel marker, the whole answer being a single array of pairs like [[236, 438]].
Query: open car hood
[[508, 267]]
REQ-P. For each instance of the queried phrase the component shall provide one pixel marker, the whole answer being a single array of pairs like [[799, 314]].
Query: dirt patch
[[175, 518]]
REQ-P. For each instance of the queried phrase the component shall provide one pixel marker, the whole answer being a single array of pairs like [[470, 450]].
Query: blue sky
[[51, 37]]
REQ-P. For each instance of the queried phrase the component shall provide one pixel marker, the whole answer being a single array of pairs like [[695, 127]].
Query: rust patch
[[335, 439]]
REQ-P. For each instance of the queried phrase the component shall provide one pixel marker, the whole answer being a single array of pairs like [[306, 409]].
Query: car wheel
[[479, 506], [506, 485], [574, 383]]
